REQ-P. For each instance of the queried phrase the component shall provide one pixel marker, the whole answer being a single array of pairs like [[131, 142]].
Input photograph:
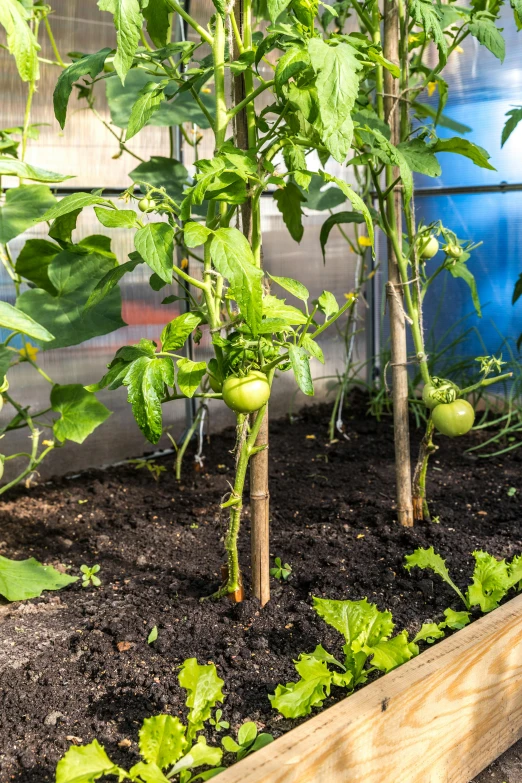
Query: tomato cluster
[[451, 416]]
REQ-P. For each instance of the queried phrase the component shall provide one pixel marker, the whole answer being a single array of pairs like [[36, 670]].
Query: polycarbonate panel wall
[[87, 148], [481, 91]]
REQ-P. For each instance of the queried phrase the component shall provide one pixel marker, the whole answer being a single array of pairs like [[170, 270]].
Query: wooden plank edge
[[440, 718]]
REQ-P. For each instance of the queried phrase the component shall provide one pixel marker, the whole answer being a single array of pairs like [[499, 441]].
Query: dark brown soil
[[160, 549]]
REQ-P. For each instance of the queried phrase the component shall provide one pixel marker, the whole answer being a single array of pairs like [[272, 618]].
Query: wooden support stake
[[399, 355], [259, 495], [440, 718]]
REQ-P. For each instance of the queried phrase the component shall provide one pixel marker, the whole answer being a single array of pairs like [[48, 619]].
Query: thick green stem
[[206, 36], [218, 50], [486, 382], [427, 447]]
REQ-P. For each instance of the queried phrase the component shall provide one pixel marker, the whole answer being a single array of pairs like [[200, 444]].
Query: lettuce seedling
[[248, 741], [165, 742], [491, 581], [89, 575], [368, 637]]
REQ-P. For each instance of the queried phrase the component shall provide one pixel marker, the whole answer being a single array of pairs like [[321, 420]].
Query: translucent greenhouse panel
[[481, 91]]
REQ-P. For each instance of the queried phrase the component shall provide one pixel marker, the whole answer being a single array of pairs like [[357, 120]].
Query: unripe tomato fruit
[[454, 418], [428, 398], [453, 251], [429, 247], [214, 384], [146, 204], [247, 394]]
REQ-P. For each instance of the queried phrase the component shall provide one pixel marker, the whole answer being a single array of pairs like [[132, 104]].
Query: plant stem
[[420, 504], [206, 36], [186, 441]]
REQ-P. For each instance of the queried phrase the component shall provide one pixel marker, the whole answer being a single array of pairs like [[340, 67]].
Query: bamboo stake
[[259, 493], [394, 291]]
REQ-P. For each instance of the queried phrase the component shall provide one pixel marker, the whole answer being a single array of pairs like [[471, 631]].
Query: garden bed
[[64, 670]]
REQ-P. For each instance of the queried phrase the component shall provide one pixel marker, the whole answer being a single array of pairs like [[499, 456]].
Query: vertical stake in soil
[[394, 291], [259, 494]]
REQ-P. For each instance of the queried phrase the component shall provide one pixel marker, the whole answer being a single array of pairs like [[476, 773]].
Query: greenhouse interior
[[261, 391]]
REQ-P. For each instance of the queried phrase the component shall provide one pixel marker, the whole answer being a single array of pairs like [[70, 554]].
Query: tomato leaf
[[337, 81], [24, 579], [293, 287], [147, 379], [80, 412], [116, 218], [195, 234], [274, 308], [336, 219], [515, 115], [313, 348], [189, 375], [175, 333], [459, 269], [288, 200], [490, 36], [128, 22], [419, 157], [328, 304], [427, 15], [155, 244], [355, 200], [89, 65], [22, 207], [17, 168], [16, 320], [148, 102], [301, 366], [74, 202], [232, 257], [464, 147], [21, 41], [158, 15], [276, 8]]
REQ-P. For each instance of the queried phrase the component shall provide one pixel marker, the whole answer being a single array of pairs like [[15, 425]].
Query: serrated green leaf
[[276, 309], [80, 412], [116, 218], [128, 22], [148, 773], [336, 219], [74, 202], [162, 738], [155, 244], [313, 348], [89, 65], [296, 699], [419, 157], [464, 147], [147, 379], [300, 362], [337, 81], [233, 258], [21, 41], [195, 234], [328, 304], [515, 116], [355, 200], [429, 632], [490, 36], [17, 320], [455, 620], [24, 579], [175, 333], [293, 287], [490, 581], [74, 274], [276, 8], [33, 262], [428, 558], [148, 102], [356, 620], [459, 269], [204, 690], [158, 14], [17, 168], [293, 62], [427, 15], [190, 375], [109, 281], [22, 207], [390, 653], [289, 200]]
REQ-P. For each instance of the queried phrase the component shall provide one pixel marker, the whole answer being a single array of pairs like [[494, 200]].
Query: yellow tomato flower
[[48, 443], [365, 241], [432, 86], [28, 352], [184, 263]]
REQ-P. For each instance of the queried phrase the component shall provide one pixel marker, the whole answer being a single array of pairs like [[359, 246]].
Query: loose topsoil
[[65, 675]]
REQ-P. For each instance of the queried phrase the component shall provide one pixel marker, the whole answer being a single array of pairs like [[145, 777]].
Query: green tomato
[[247, 394], [428, 398], [429, 247], [215, 384], [453, 251], [146, 204], [454, 418]]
